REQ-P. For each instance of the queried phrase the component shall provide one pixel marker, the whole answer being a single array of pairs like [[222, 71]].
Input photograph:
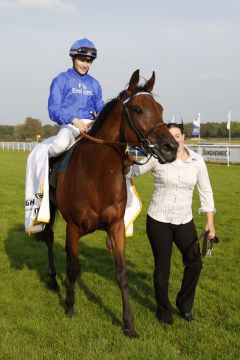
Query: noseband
[[145, 143]]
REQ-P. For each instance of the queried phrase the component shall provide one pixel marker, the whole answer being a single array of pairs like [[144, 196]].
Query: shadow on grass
[[26, 251], [29, 252], [99, 261]]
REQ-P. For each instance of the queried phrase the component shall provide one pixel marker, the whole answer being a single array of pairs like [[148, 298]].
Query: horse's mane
[[108, 107]]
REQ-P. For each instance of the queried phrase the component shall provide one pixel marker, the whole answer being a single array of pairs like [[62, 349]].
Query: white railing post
[[228, 156], [214, 152]]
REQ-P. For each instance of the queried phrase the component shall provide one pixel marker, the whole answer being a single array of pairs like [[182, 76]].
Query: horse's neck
[[110, 129]]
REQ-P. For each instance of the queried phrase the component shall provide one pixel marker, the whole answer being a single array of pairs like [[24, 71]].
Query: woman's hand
[[209, 226], [127, 162], [211, 230], [79, 124]]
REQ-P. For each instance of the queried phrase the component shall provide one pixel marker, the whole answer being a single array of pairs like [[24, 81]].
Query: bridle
[[143, 144]]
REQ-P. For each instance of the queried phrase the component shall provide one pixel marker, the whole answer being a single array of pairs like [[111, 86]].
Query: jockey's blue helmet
[[83, 47]]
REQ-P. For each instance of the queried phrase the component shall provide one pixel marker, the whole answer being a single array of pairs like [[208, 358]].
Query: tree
[[29, 130], [33, 127], [235, 129], [19, 132], [50, 130], [6, 132]]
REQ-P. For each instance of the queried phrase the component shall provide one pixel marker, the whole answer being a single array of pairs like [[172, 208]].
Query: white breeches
[[64, 139]]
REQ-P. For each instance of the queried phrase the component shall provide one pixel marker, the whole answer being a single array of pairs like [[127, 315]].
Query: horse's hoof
[[70, 312], [131, 333]]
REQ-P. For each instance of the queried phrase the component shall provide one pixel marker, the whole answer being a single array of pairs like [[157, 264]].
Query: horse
[[91, 194]]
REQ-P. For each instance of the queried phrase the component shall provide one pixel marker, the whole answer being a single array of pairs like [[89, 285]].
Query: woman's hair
[[179, 126]]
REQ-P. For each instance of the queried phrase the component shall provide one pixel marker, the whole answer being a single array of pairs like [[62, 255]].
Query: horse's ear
[[133, 82], [150, 83]]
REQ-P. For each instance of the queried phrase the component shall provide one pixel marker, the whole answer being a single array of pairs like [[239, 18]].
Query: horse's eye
[[138, 110]]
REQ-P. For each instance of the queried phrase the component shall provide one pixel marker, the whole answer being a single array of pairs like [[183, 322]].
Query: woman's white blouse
[[173, 187]]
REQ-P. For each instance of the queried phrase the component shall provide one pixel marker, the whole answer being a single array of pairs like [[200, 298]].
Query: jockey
[[74, 97]]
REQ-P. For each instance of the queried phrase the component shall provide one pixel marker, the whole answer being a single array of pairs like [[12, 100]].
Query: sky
[[192, 45]]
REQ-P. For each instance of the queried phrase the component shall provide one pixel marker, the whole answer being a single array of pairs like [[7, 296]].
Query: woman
[[170, 220], [75, 97]]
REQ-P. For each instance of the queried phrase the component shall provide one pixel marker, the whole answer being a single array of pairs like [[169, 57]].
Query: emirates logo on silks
[[82, 90]]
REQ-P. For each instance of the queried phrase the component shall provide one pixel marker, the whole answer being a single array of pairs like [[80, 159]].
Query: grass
[[33, 323]]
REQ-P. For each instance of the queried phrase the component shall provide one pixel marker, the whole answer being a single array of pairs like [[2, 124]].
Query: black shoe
[[188, 316], [164, 320]]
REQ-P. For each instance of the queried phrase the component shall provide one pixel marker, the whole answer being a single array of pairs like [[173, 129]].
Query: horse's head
[[143, 122]]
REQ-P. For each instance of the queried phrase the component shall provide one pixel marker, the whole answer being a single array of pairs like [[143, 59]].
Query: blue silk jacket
[[74, 96]]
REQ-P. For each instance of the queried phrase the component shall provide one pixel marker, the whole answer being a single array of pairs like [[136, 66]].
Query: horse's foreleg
[[73, 266], [117, 235]]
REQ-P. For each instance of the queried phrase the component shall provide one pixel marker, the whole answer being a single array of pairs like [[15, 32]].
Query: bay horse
[[91, 195]]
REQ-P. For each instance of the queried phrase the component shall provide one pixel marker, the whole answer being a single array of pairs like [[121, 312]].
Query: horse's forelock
[[139, 89]]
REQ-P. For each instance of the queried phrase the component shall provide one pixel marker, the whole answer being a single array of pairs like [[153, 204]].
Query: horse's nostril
[[167, 148]]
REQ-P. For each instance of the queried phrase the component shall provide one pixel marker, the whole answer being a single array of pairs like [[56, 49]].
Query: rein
[[106, 142]]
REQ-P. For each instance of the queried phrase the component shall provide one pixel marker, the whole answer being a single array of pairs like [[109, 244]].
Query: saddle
[[59, 164]]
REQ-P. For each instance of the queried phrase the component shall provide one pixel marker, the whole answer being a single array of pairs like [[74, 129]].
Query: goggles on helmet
[[84, 51]]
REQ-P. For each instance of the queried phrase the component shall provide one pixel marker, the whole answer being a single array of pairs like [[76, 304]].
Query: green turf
[[32, 319]]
